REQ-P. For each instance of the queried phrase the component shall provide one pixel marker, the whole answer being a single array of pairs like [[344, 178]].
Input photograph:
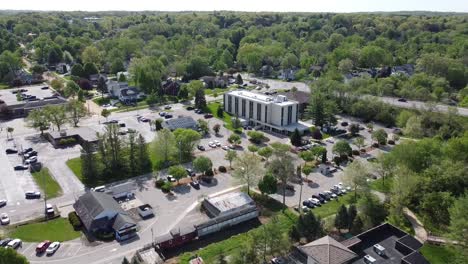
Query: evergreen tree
[[89, 164], [357, 226], [125, 261], [89, 69], [352, 213], [341, 218], [77, 70], [309, 227], [132, 155], [200, 100], [239, 80], [101, 85], [142, 156], [296, 138]]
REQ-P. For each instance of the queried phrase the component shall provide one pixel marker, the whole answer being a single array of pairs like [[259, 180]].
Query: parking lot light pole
[[45, 197]]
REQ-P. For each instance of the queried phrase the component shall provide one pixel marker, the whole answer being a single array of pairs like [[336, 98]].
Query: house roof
[[91, 204], [130, 91], [121, 221], [410, 242], [327, 250], [299, 96], [415, 258], [127, 187]]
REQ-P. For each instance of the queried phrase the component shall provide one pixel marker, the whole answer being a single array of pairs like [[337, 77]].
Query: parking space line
[[76, 252], [23, 251]]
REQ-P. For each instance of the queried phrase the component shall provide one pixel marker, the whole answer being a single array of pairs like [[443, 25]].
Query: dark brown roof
[[299, 96], [327, 250]]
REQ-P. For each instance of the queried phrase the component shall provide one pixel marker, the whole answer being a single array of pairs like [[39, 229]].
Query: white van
[[379, 249], [370, 260], [99, 189]]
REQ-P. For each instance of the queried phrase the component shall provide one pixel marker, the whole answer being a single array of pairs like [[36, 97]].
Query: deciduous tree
[[248, 168]]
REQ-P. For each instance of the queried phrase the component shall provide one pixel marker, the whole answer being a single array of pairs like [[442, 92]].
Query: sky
[[340, 6]]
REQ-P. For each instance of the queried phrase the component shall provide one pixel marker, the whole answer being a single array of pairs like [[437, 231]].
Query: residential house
[[170, 87], [215, 81], [287, 74], [62, 68], [129, 95], [100, 213], [405, 69], [114, 87], [94, 78]]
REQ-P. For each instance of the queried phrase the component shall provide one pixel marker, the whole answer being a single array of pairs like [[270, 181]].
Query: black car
[[167, 107], [195, 184], [318, 198], [167, 116], [30, 154], [21, 167], [11, 151], [5, 242], [32, 195], [308, 204], [208, 116], [200, 147], [190, 172], [45, 88], [324, 196], [27, 150], [190, 108], [344, 123], [402, 100]]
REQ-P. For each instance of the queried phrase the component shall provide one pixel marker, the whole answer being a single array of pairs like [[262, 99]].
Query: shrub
[[105, 236], [337, 160], [166, 187], [209, 172], [375, 145], [159, 183], [355, 152], [391, 142], [66, 141], [222, 169], [74, 220]]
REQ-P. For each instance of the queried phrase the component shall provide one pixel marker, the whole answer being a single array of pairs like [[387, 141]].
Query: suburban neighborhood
[[233, 137]]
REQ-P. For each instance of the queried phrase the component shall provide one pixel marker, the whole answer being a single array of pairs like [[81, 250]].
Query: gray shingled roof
[[91, 204], [327, 250], [121, 221], [180, 122]]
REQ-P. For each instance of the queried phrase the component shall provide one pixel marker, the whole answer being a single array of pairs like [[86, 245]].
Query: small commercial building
[[19, 102], [80, 135], [100, 213], [273, 113]]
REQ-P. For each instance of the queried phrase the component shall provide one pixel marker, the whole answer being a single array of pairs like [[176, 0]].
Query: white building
[[275, 113]]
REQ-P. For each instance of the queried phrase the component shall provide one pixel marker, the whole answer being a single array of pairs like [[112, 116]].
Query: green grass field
[[75, 166], [331, 207], [438, 254], [58, 229], [4, 86], [47, 183], [101, 100], [382, 186], [227, 118]]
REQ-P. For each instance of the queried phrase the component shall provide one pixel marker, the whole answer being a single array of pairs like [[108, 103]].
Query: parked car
[[21, 167], [167, 107], [308, 204], [162, 113], [225, 147], [171, 178], [4, 219], [200, 147], [316, 202], [347, 188], [49, 209], [3, 202], [331, 194], [190, 172], [11, 151], [278, 261], [190, 108], [27, 150], [167, 116], [324, 196], [217, 143], [101, 188], [30, 154], [208, 116], [212, 144], [195, 184], [305, 209], [42, 247], [319, 198], [144, 119], [336, 191], [15, 243], [5, 242], [344, 123], [232, 146], [31, 160], [402, 100], [53, 248], [32, 195]]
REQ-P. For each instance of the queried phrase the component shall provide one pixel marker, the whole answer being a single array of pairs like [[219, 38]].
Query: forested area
[[331, 46]]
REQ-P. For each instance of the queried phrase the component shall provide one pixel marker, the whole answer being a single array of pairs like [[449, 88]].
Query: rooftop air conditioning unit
[[63, 133]]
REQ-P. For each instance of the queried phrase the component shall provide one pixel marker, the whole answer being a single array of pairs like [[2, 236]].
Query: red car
[[42, 247]]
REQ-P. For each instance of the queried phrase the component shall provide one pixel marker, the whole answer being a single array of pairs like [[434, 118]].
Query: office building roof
[[327, 250], [262, 98]]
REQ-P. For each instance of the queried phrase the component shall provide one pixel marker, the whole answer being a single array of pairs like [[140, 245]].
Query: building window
[[289, 114], [259, 112], [282, 115], [229, 104], [236, 105], [266, 115], [243, 108], [250, 109]]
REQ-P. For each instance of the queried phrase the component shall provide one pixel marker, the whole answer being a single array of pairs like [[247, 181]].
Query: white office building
[[274, 113]]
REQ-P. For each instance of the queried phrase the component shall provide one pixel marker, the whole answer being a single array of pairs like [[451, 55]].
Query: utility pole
[[299, 174]]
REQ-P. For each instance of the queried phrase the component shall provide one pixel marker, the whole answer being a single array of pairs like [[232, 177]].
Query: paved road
[[410, 104]]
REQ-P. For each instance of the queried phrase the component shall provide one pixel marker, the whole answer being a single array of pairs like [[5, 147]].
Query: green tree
[[231, 155], [282, 167], [357, 227], [203, 126], [102, 85], [265, 152], [248, 169], [268, 184], [89, 165], [435, 208], [308, 226], [342, 148], [372, 211], [56, 114], [353, 129], [352, 213], [10, 256], [132, 150], [76, 110], [380, 136], [186, 140], [296, 138], [77, 70], [252, 148], [164, 146], [91, 55], [89, 69], [342, 218], [200, 100], [359, 142], [374, 56], [111, 149], [105, 113], [355, 175], [239, 80], [143, 161], [179, 172], [38, 119], [220, 111], [256, 137], [234, 139], [459, 220], [202, 164], [125, 261]]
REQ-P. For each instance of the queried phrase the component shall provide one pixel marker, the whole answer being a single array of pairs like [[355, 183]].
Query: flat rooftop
[[260, 97], [10, 99], [230, 201], [86, 133]]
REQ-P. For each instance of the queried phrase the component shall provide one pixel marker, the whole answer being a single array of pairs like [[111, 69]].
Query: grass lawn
[[58, 229], [231, 245], [75, 166], [125, 108], [47, 183], [331, 207], [227, 118], [438, 254], [4, 86], [382, 186], [219, 91], [101, 100]]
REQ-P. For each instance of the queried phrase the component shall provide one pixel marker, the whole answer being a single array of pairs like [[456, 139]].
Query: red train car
[[176, 237]]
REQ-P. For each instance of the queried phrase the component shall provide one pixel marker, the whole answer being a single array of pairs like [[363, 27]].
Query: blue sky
[[240, 5]]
